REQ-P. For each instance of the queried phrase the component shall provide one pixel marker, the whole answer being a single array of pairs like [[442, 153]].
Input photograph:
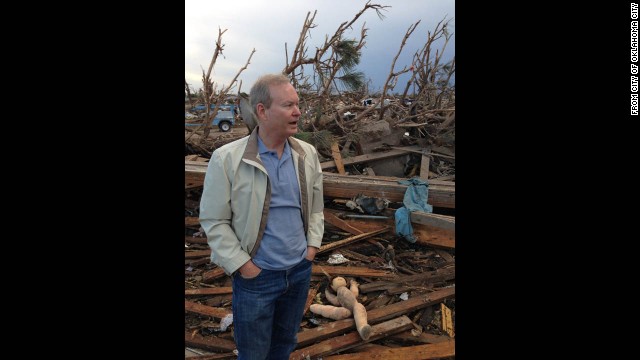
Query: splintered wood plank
[[337, 158], [440, 194], [195, 240], [424, 337], [196, 262], [447, 321], [195, 308], [349, 240], [197, 254], [211, 343], [350, 254], [191, 221], [353, 339], [433, 236], [427, 277], [374, 316], [212, 275], [445, 255], [418, 352], [353, 226], [332, 219], [351, 271], [370, 157], [424, 167], [310, 296], [208, 291], [368, 348], [224, 356], [436, 220], [221, 356]]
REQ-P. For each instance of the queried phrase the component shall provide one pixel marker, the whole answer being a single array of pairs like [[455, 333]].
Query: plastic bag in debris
[[337, 259], [225, 322]]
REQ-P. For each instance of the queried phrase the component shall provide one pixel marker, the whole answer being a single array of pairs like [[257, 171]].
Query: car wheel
[[224, 126]]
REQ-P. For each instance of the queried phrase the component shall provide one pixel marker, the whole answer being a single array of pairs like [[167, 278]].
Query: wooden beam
[[310, 296], [425, 338], [352, 239], [213, 274], [441, 193], [211, 343], [221, 356], [208, 291], [197, 254], [191, 221], [418, 352], [337, 158], [433, 236], [352, 339], [351, 271], [427, 277], [440, 221], [195, 240], [435, 232], [424, 167], [354, 226], [375, 316], [195, 308], [370, 157]]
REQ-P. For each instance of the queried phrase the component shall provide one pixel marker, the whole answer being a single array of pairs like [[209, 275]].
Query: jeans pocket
[[250, 278]]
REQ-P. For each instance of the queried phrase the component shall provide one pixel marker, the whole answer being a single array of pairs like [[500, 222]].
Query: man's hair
[[260, 90]]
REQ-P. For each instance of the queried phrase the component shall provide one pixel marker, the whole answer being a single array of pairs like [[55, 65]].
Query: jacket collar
[[251, 151]]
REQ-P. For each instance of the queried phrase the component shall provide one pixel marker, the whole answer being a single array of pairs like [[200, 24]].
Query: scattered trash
[[368, 205], [404, 296], [225, 322], [337, 259]]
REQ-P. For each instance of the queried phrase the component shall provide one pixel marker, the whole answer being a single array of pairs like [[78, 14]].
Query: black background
[[94, 259]]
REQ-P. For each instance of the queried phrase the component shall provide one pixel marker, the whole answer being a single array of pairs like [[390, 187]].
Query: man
[[261, 209]]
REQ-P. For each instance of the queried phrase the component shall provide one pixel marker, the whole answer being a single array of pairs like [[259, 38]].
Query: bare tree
[[209, 93]]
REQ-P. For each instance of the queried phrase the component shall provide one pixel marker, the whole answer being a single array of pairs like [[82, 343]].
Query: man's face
[[281, 119]]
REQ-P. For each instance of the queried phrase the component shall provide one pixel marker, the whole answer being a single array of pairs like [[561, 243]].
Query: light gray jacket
[[235, 200]]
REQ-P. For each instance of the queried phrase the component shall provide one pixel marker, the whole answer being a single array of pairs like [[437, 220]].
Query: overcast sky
[[267, 25]]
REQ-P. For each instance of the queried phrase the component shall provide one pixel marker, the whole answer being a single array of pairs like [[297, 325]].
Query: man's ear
[[261, 111]]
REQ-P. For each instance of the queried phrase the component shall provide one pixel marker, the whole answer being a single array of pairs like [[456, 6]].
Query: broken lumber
[[368, 157], [440, 221], [193, 307], [349, 240], [418, 352], [441, 193], [210, 343], [353, 339], [337, 158], [209, 291], [351, 271], [374, 316], [426, 277]]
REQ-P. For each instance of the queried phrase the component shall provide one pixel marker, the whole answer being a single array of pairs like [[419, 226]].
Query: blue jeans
[[267, 311]]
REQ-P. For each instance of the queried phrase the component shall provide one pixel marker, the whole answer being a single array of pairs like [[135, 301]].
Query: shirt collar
[[262, 148]]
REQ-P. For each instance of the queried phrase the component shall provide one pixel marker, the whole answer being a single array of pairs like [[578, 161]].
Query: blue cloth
[[415, 199], [284, 243]]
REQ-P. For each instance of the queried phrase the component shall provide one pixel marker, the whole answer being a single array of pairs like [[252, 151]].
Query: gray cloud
[[267, 26]]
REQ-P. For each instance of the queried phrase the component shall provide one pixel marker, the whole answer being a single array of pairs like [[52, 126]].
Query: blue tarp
[[415, 199]]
